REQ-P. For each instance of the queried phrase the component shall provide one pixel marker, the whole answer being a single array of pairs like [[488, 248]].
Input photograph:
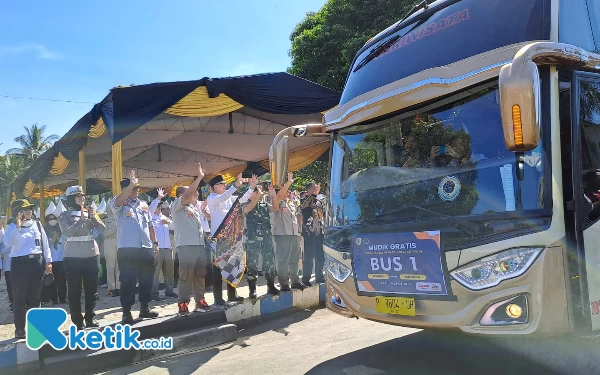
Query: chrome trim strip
[[414, 86]]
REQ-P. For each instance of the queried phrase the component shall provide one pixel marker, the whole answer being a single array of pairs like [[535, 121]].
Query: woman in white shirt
[[30, 254]]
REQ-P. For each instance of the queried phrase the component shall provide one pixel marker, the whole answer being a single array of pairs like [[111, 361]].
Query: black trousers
[[136, 266], [218, 285], [57, 291], [8, 286], [313, 249], [26, 279], [102, 280], [78, 271], [176, 271]]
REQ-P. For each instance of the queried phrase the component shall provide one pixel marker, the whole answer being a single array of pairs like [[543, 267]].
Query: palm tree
[[33, 142]]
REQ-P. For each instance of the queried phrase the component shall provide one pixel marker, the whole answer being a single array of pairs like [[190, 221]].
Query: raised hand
[[272, 191], [200, 171], [19, 219], [203, 206], [253, 182], [291, 178], [160, 193], [134, 180], [91, 212], [239, 182]]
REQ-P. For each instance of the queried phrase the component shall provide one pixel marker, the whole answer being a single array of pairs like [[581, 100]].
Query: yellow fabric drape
[[48, 193], [117, 168], [302, 157], [60, 165], [171, 190], [97, 130], [229, 175], [28, 189], [198, 104], [82, 179]]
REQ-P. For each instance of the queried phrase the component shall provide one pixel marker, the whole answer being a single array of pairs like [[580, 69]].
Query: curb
[[16, 358], [86, 362]]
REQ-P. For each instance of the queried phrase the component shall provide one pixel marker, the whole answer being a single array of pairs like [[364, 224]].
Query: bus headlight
[[337, 269], [492, 270]]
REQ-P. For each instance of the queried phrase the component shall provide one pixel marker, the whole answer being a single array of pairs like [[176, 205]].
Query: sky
[[78, 50]]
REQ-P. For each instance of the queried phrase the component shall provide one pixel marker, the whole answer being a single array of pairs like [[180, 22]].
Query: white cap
[[74, 190]]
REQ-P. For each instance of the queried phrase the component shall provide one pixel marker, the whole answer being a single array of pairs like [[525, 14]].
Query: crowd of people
[[137, 241]]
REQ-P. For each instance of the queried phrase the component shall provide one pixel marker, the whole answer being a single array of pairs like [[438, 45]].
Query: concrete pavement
[[319, 342]]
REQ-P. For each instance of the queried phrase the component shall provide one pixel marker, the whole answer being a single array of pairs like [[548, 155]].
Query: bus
[[464, 171]]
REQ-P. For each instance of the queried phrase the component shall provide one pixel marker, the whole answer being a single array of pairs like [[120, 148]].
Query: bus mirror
[[279, 152], [278, 160], [520, 105]]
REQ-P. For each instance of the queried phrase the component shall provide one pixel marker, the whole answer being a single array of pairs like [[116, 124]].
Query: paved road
[[320, 342]]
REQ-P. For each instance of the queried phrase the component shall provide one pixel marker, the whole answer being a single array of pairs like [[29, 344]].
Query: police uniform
[[259, 241], [135, 254]]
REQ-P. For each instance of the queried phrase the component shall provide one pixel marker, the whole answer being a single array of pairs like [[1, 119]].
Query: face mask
[[52, 223]]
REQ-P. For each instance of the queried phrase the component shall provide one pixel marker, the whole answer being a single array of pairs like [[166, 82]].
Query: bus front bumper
[[542, 288]]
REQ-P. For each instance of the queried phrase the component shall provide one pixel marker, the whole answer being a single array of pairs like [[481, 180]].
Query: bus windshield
[[449, 160]]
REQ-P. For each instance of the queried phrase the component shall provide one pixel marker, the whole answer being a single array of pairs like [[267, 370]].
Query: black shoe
[[252, 286], [127, 318], [285, 288], [80, 326], [54, 302], [63, 301], [91, 323], [298, 286], [157, 298], [271, 289], [20, 334], [235, 299], [172, 295], [220, 302], [307, 283], [146, 313]]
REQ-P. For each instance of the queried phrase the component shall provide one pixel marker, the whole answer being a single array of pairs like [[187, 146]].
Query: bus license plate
[[396, 305]]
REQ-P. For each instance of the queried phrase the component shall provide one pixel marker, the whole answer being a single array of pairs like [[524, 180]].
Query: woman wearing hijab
[[81, 255], [57, 291], [30, 254]]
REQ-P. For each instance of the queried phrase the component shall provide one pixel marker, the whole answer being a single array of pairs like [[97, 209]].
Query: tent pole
[[82, 179], [117, 168], [42, 203]]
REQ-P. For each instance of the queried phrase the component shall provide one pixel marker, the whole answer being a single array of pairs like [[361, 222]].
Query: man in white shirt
[[219, 203], [163, 261]]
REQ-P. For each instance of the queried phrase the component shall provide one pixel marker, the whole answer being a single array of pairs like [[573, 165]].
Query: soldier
[[259, 239]]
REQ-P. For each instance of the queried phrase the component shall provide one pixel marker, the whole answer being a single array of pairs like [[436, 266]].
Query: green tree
[[314, 172], [324, 42], [33, 143]]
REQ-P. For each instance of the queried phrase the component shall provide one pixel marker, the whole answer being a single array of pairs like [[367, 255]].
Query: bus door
[[585, 203]]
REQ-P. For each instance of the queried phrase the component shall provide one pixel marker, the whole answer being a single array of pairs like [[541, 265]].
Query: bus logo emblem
[[449, 188]]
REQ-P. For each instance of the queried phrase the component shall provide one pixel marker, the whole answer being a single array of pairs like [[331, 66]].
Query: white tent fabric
[[51, 208], [37, 212], [94, 206], [167, 150], [102, 207], [59, 209]]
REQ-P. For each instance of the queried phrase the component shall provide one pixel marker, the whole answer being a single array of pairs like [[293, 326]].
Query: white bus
[[465, 170]]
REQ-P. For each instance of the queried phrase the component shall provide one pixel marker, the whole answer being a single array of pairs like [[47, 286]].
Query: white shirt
[[5, 252], [220, 204], [203, 219], [23, 241], [163, 237]]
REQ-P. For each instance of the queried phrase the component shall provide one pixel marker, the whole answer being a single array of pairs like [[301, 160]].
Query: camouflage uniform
[[259, 241]]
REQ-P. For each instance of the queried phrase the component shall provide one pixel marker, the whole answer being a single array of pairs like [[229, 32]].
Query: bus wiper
[[376, 51], [422, 5], [469, 229]]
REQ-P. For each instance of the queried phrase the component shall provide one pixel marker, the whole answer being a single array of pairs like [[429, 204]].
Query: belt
[[30, 256], [80, 239]]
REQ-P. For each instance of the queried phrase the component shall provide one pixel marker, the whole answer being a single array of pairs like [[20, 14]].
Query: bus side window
[[590, 148]]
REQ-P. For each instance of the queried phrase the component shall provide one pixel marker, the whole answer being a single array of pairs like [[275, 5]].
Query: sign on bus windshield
[[464, 29]]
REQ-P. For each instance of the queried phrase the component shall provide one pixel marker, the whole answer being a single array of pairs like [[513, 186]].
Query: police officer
[[259, 239], [136, 247]]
